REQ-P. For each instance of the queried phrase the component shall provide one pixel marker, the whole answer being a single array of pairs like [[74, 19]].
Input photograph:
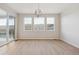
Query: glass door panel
[[7, 27], [11, 24], [3, 29]]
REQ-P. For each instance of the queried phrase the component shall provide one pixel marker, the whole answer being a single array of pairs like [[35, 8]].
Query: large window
[[11, 21], [3, 21], [39, 23], [28, 23], [50, 23]]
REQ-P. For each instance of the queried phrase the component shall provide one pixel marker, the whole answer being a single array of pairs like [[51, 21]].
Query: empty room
[[39, 28]]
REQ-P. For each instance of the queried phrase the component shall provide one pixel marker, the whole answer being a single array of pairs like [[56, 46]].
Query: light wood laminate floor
[[38, 47]]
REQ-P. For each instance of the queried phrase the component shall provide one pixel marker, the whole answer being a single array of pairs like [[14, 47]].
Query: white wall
[[70, 26], [22, 34]]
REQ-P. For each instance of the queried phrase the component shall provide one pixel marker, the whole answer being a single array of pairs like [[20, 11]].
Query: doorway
[[7, 29]]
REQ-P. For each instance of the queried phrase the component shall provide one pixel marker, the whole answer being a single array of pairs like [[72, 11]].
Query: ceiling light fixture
[[38, 10]]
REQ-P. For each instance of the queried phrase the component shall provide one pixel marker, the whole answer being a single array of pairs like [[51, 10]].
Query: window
[[11, 21], [50, 23], [39, 23], [3, 21], [28, 23]]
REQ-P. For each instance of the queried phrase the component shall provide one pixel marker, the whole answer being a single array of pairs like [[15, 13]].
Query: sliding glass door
[[7, 27], [3, 30], [11, 26]]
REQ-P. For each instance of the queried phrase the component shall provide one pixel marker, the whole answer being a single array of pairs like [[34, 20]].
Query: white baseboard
[[75, 45], [38, 38]]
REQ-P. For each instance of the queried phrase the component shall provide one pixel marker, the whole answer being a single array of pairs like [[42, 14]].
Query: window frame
[[45, 23], [24, 23], [54, 23], [34, 26], [4, 19]]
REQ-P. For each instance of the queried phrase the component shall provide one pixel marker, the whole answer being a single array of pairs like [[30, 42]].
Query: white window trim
[[54, 24], [24, 24], [45, 25], [39, 30]]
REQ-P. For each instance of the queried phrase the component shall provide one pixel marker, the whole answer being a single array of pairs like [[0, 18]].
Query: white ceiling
[[2, 12], [45, 7]]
